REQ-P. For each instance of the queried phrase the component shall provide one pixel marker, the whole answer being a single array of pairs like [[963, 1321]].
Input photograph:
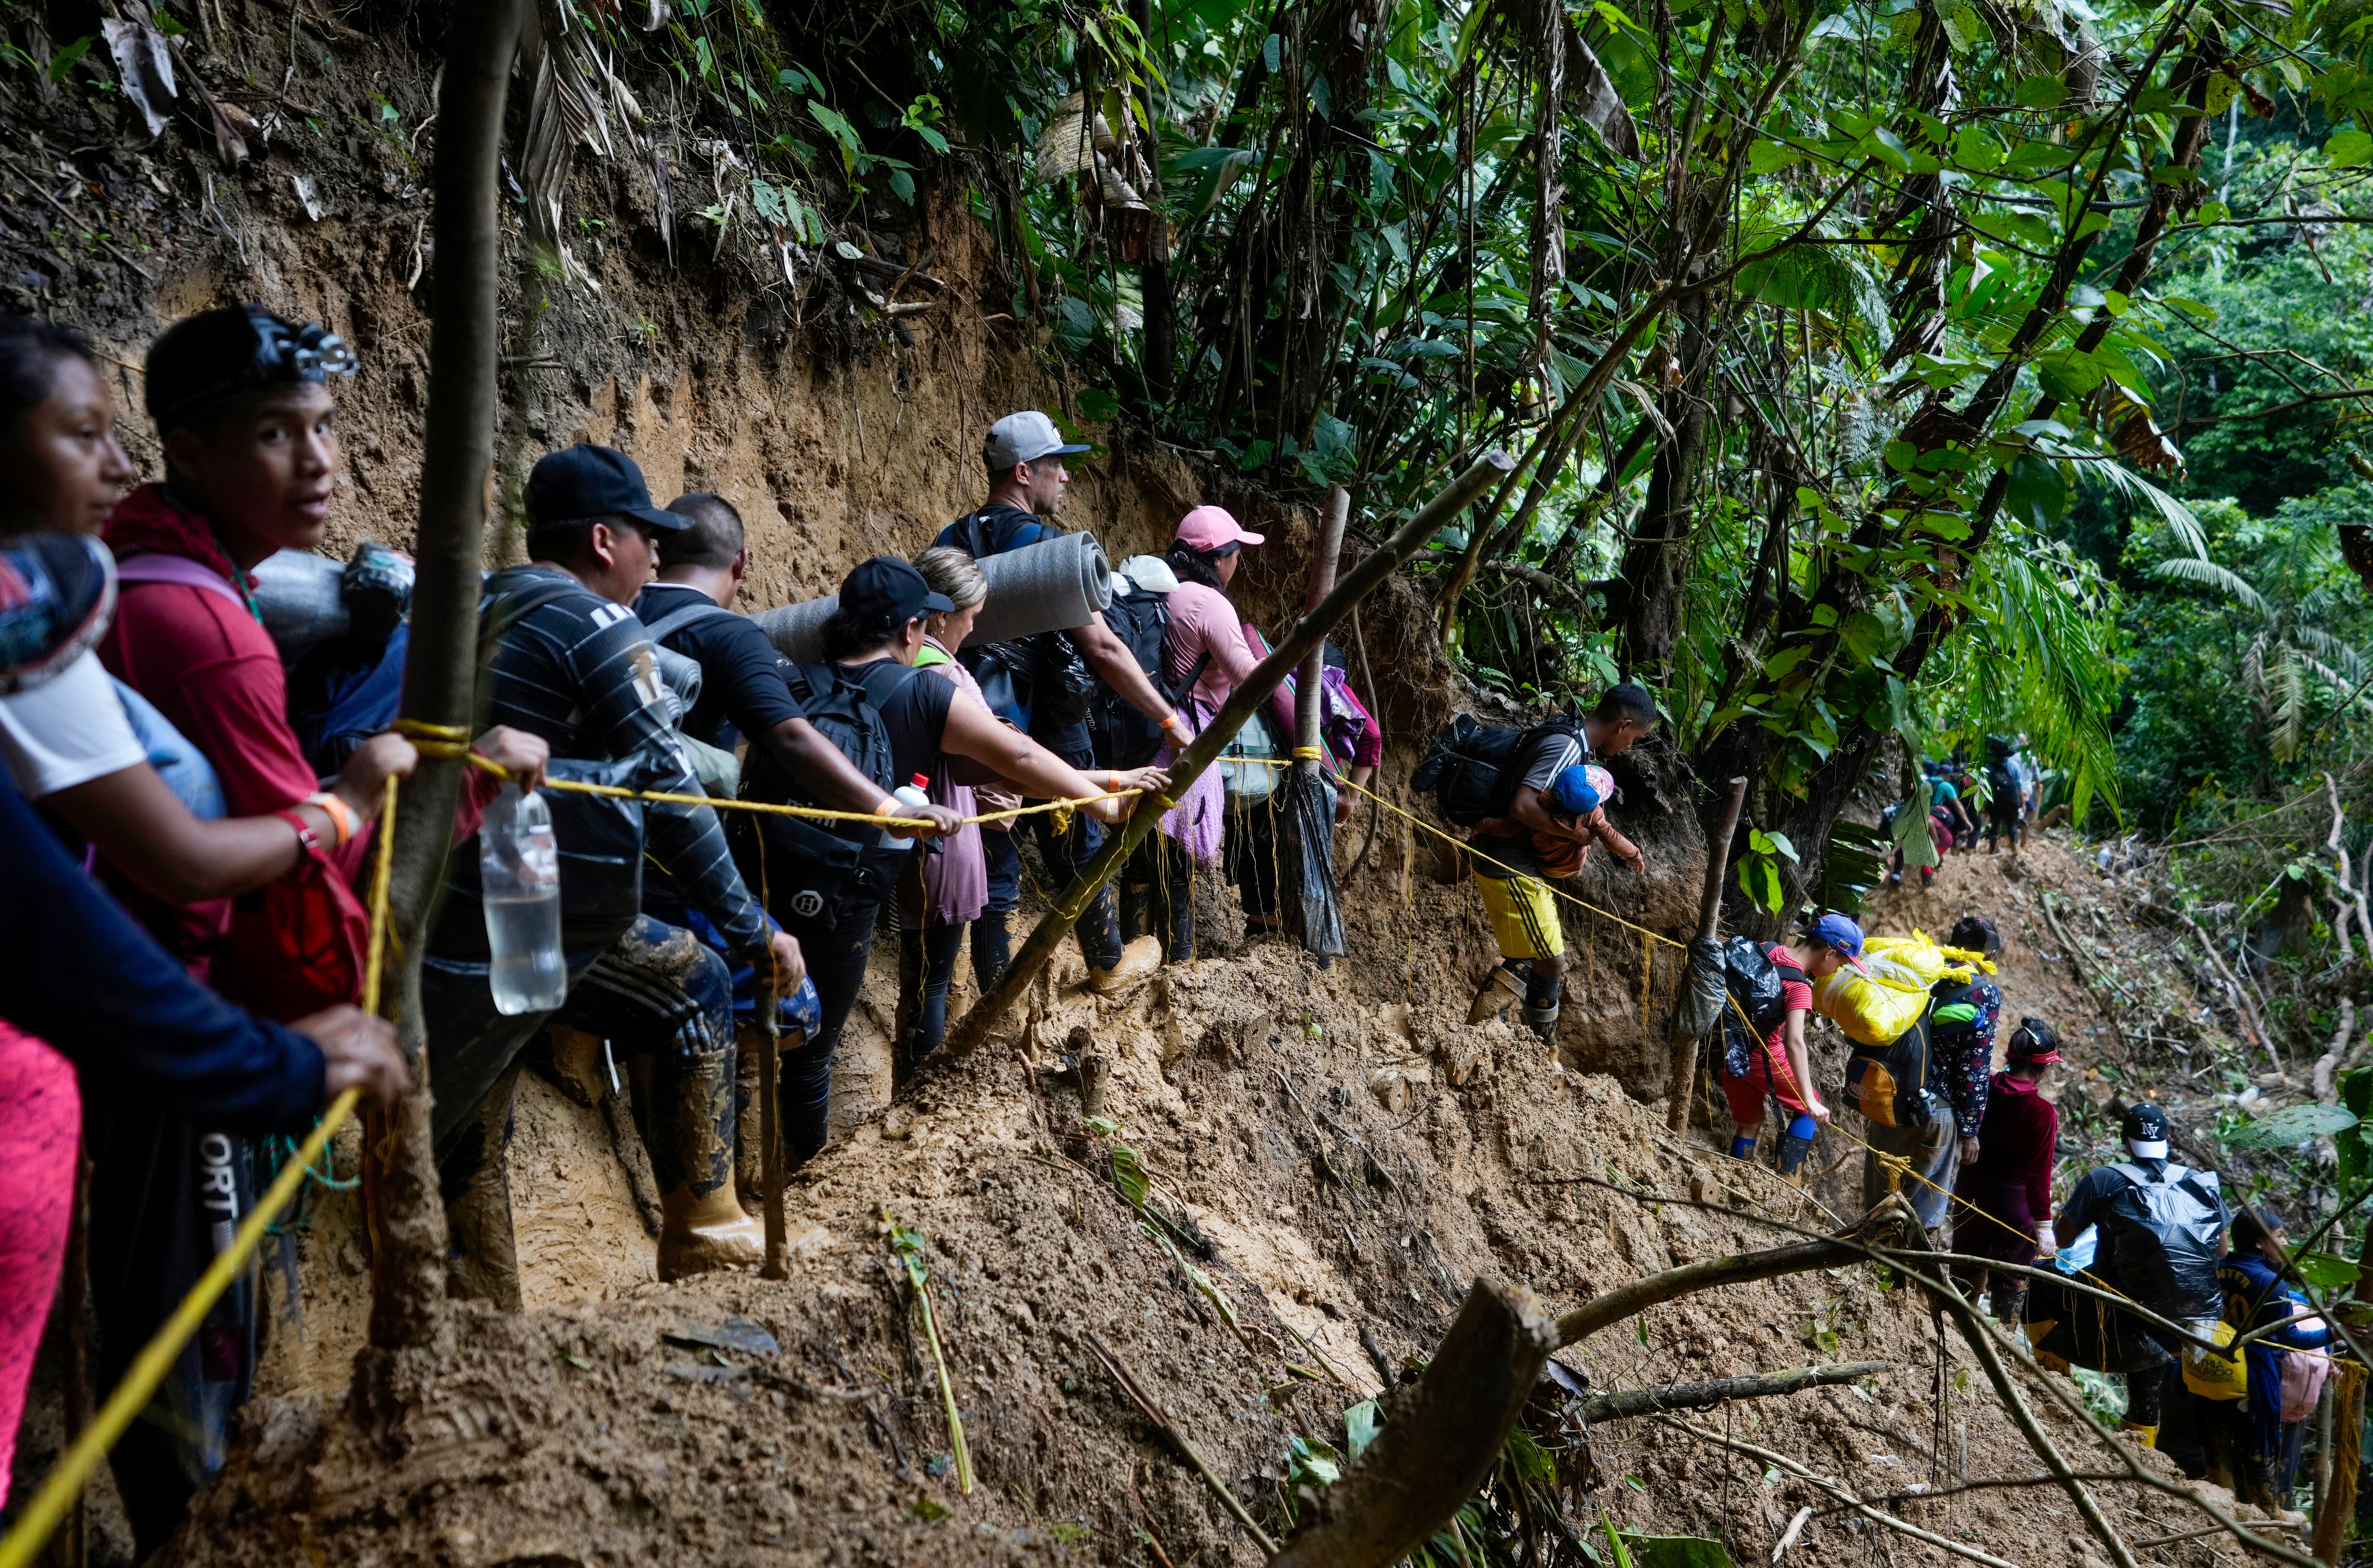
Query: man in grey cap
[[1051, 678]]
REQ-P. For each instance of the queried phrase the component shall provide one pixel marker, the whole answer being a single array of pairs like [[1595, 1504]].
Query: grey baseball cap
[[1026, 437]]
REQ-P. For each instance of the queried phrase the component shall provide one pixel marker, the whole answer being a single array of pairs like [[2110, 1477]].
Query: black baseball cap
[[892, 589], [2145, 1131], [585, 481]]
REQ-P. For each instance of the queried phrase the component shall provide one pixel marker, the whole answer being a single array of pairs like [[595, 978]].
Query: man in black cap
[[1053, 673], [2160, 1229], [570, 662]]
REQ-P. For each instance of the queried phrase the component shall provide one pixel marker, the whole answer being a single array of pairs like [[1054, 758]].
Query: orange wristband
[[341, 815]]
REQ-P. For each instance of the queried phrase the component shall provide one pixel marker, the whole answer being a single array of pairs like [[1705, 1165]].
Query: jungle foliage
[[1877, 368]]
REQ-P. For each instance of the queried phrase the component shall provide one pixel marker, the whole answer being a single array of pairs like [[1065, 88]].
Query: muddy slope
[[1352, 1152]]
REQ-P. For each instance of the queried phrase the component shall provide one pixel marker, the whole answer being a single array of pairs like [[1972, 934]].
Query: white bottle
[[912, 797], [518, 871]]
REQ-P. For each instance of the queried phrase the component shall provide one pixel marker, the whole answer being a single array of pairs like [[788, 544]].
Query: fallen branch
[[1745, 1268], [1150, 1408], [1838, 1490], [1629, 1403], [2327, 1067], [1440, 1437], [2241, 1003]]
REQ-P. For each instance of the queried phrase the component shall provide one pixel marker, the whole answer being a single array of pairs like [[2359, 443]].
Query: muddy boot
[[1503, 986], [749, 1152], [693, 1144], [2010, 1303], [482, 1258], [1542, 1021], [581, 1065], [1140, 959]]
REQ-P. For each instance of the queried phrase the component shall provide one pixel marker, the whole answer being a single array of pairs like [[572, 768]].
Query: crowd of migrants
[[188, 813]]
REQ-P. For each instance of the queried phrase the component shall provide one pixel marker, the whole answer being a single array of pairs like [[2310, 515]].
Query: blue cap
[[585, 481], [1839, 931], [1572, 792]]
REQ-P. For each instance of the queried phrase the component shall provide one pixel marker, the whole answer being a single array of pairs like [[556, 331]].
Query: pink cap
[[1212, 528]]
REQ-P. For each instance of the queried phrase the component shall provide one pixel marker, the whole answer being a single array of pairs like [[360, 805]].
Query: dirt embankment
[[1352, 1154]]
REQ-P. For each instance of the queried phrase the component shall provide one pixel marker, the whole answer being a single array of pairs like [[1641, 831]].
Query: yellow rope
[[436, 743], [63, 1485]]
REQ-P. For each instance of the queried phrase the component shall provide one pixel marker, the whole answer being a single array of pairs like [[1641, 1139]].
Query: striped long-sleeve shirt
[[579, 672]]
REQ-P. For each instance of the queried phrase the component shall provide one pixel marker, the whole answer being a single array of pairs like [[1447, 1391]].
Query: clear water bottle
[[518, 871], [912, 797]]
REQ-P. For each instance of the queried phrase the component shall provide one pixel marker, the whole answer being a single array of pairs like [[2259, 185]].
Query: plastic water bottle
[[518, 869], [912, 795]]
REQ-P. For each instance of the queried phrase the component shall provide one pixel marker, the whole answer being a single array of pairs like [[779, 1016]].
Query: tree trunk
[[1161, 353], [407, 1218]]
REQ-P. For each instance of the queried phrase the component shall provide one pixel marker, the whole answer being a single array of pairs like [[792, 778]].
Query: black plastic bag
[[2162, 1235], [1314, 903]]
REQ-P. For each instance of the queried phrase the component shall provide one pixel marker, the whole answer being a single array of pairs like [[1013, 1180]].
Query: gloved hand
[[2047, 1246]]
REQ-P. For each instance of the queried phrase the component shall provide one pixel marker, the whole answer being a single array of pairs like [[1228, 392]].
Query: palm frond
[[2041, 659], [2286, 682], [2200, 570], [2131, 486], [2352, 666]]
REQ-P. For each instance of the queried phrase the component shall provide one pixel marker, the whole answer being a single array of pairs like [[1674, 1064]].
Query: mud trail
[[1352, 1154]]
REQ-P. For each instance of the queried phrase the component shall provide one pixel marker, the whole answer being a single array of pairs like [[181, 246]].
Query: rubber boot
[[1139, 960], [2141, 1437], [700, 1233], [2010, 1303], [1798, 1144], [1542, 1021], [481, 1260], [693, 1136], [1501, 987], [1742, 1147]]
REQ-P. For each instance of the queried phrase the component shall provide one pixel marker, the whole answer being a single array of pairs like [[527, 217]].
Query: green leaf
[[1361, 1424], [2040, 92], [64, 59], [2349, 146], [1678, 1551], [1622, 1557], [1764, 157], [2326, 1271], [1098, 405], [2292, 1124]]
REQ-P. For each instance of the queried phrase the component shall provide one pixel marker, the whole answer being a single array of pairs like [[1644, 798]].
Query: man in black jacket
[[1024, 456], [571, 663]]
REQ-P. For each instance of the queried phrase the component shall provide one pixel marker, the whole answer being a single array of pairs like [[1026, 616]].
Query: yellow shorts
[[1524, 917]]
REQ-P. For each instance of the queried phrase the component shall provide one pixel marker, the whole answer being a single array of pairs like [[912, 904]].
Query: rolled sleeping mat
[[1048, 586], [796, 629], [303, 601]]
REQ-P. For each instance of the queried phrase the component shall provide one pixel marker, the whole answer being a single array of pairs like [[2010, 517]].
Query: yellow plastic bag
[[2212, 1377], [1875, 1009]]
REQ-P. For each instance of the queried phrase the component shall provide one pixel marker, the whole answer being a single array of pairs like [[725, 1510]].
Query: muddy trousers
[[927, 968], [1934, 1152], [837, 955], [1158, 894], [656, 992]]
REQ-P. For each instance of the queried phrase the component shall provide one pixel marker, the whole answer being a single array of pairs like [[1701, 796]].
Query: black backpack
[[803, 868], [1470, 769], [1757, 988], [843, 712], [1124, 737], [2159, 1237], [1888, 1084]]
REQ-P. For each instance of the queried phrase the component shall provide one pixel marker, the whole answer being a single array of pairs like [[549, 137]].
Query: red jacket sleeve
[[216, 676], [2038, 1169]]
